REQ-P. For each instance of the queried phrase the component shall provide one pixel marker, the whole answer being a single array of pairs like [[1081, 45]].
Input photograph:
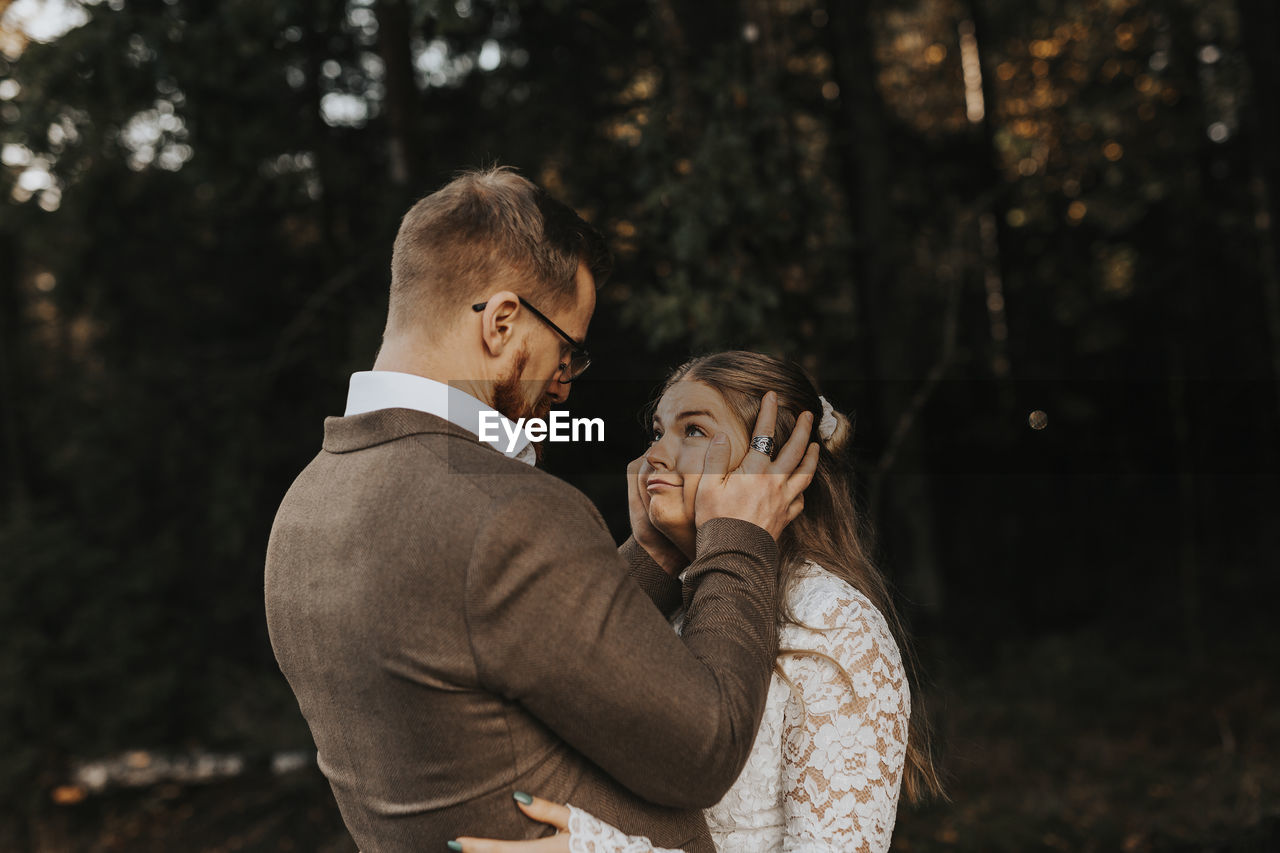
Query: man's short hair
[[486, 228]]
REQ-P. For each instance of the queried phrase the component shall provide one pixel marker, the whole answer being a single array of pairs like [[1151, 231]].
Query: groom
[[457, 624]]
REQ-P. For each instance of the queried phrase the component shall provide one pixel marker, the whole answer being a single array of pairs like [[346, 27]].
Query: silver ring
[[763, 443]]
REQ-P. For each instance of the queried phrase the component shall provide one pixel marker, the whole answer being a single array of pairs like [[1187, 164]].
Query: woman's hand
[[664, 552], [537, 808]]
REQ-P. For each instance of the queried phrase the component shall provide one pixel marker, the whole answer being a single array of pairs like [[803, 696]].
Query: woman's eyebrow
[[692, 413]]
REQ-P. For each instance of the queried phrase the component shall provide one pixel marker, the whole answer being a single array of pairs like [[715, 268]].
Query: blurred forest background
[[1029, 244]]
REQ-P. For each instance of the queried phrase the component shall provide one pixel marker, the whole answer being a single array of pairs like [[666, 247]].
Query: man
[[457, 625]]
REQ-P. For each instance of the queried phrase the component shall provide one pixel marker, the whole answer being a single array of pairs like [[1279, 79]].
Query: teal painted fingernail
[[522, 797], [453, 845]]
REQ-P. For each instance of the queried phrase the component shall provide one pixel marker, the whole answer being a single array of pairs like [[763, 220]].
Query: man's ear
[[497, 331]]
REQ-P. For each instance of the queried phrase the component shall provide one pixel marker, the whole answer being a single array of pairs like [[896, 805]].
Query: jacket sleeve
[[557, 626], [663, 590]]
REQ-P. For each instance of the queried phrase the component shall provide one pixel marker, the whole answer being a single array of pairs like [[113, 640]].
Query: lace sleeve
[[844, 740], [589, 834]]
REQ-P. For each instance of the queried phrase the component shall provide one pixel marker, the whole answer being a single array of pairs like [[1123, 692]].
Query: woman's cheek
[[668, 514]]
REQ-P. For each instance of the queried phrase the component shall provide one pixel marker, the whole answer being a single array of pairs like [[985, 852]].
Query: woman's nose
[[659, 455]]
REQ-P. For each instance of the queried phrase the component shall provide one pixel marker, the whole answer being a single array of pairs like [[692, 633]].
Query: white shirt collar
[[371, 390]]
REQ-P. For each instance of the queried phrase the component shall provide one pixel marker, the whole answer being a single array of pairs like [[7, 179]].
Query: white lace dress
[[826, 767]]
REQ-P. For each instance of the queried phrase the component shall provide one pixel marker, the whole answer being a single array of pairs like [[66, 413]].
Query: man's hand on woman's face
[[670, 555], [764, 492]]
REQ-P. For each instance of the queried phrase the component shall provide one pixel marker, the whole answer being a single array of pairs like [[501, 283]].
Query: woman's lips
[[657, 485]]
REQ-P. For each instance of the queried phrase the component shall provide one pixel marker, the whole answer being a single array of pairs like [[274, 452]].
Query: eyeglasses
[[579, 358]]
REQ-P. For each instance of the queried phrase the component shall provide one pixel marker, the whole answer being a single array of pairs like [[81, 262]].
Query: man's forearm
[[663, 590], [671, 718]]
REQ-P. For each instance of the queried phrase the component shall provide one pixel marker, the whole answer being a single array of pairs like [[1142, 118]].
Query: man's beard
[[512, 404]]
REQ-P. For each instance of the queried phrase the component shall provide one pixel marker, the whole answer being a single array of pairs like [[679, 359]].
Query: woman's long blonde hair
[[830, 531]]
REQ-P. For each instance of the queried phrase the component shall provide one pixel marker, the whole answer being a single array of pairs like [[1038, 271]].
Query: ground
[[1072, 742]]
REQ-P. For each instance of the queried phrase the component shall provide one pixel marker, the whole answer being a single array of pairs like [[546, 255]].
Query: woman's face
[[687, 417]]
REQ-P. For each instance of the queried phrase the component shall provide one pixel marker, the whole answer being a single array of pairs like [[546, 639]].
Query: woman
[[837, 741]]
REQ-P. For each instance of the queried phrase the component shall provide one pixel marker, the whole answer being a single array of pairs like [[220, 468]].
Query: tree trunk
[[1188, 516], [1260, 31], [900, 503], [394, 25], [12, 336], [991, 205]]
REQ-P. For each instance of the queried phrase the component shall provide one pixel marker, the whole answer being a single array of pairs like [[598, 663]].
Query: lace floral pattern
[[588, 834], [844, 747], [826, 767]]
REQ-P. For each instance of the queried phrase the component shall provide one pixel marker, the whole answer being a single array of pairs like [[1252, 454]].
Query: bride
[[837, 741]]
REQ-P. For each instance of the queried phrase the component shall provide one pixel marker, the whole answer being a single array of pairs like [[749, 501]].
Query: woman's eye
[[690, 431]]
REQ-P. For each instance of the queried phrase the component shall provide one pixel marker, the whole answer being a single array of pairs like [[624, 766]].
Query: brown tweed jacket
[[457, 625]]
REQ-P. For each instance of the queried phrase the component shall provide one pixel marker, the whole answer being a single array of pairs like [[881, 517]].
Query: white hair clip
[[826, 426]]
